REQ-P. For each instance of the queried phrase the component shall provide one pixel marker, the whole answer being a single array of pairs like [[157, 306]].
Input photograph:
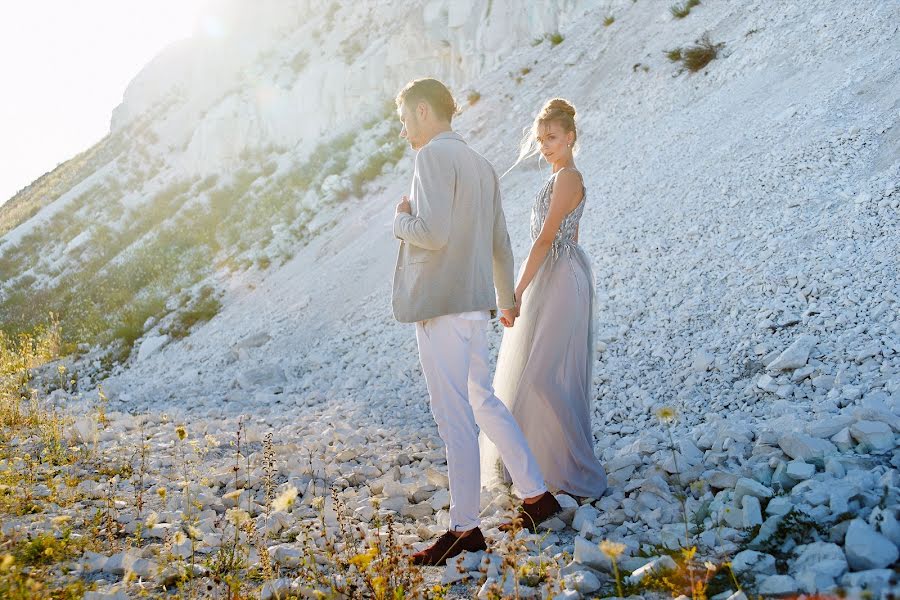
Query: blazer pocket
[[417, 255]]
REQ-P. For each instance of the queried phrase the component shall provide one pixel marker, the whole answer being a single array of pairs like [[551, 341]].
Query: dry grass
[[699, 55], [680, 11]]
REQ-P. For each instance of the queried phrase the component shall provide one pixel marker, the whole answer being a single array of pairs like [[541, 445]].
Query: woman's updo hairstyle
[[556, 110]]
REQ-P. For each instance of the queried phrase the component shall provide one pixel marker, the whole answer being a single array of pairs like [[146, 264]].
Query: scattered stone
[[751, 561], [876, 435], [750, 487], [795, 356], [656, 565], [778, 585], [866, 548], [806, 448]]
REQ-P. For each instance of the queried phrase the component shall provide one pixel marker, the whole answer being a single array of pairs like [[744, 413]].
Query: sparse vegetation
[[608, 20], [674, 55], [696, 57], [473, 97], [202, 309], [700, 54], [680, 11], [555, 39]]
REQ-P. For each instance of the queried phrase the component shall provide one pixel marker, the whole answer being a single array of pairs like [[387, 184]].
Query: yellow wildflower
[[285, 499], [613, 550], [60, 520], [181, 432], [152, 520], [7, 562], [363, 560], [666, 414], [380, 587], [179, 538], [318, 503], [161, 491], [236, 516]]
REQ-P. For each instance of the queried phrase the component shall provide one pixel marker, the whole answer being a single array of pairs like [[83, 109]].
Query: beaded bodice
[[565, 237]]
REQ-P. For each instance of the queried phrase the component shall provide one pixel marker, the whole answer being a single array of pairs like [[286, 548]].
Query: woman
[[544, 368]]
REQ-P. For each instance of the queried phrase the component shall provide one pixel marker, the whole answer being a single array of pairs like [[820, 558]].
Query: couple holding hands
[[454, 268]]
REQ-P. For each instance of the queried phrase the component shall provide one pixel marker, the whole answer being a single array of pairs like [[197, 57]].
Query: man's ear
[[422, 110]]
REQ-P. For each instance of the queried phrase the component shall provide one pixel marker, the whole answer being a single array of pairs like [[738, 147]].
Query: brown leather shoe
[[531, 515], [448, 546]]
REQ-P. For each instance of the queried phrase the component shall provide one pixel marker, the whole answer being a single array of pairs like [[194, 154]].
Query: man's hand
[[403, 206], [508, 316]]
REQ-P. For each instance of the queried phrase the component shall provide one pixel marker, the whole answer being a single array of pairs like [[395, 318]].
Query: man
[[454, 251]]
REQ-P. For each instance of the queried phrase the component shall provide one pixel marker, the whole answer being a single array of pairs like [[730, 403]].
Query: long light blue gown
[[544, 368]]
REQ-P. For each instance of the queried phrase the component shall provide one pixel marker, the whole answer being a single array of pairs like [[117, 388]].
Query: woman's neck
[[563, 164]]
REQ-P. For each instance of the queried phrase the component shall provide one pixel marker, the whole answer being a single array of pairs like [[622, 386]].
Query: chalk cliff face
[[284, 73]]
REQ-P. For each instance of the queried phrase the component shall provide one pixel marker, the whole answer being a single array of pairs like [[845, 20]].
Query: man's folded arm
[[433, 187]]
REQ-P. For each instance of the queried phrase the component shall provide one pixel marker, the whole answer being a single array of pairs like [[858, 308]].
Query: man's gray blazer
[[454, 248]]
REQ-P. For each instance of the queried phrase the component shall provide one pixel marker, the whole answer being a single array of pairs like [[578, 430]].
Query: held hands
[[509, 315], [404, 206]]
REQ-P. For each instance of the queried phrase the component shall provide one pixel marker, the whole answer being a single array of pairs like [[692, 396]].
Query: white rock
[[440, 499], [417, 511], [459, 567], [657, 565], [780, 505], [275, 589], [287, 555], [875, 581], [752, 513], [866, 548], [584, 582], [150, 345], [804, 447], [584, 514], [795, 356], [800, 470], [821, 557], [827, 427], [777, 585], [588, 553], [751, 561], [876, 435], [750, 487], [812, 581], [886, 523]]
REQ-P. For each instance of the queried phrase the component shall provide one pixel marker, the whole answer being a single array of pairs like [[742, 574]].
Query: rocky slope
[[743, 222]]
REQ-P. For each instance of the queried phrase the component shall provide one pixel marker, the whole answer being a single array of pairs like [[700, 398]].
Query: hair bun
[[559, 105]]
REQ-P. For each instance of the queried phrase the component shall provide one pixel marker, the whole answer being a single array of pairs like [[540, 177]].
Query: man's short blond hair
[[431, 91]]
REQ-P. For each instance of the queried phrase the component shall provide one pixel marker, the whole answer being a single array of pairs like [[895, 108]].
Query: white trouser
[[454, 355]]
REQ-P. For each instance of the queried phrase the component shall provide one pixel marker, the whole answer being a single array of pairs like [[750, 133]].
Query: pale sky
[[64, 65]]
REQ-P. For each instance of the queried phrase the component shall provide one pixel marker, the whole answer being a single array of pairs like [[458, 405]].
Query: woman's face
[[554, 141]]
